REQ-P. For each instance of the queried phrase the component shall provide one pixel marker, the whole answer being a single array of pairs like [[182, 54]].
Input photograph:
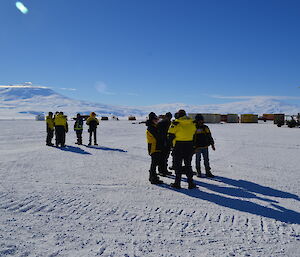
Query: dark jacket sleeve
[[210, 138]]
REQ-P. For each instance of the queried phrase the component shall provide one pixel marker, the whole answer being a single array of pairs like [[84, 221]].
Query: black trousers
[[60, 135], [156, 161], [79, 136], [183, 152], [95, 136], [50, 134], [165, 153]]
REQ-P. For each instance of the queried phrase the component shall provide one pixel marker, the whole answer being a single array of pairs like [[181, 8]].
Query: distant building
[[40, 117]]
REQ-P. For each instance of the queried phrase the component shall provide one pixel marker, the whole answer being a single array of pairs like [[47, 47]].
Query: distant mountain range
[[26, 101]]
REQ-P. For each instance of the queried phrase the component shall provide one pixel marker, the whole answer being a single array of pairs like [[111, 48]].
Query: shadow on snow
[[69, 148], [106, 148], [242, 190]]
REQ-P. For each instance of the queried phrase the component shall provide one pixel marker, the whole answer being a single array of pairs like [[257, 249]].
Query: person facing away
[[92, 122], [61, 128], [49, 128], [181, 133], [78, 128], [154, 141], [163, 127], [202, 140]]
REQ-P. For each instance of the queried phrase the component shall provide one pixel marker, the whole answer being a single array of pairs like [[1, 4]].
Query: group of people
[[58, 123], [182, 137]]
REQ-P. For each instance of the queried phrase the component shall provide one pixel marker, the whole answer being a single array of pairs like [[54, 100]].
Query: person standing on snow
[[92, 122], [181, 133], [154, 141], [78, 128], [50, 129], [163, 127], [61, 128], [202, 140]]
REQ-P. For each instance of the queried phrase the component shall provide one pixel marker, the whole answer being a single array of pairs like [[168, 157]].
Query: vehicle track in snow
[[100, 228]]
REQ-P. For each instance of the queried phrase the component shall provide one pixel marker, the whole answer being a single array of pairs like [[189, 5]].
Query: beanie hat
[[152, 116], [169, 115], [199, 117], [181, 113]]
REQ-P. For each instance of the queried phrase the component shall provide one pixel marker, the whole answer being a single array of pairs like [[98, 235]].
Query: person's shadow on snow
[[277, 212], [104, 148], [69, 148], [256, 188]]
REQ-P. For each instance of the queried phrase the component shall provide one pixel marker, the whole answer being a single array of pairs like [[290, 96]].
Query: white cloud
[[101, 87], [21, 86], [69, 89], [262, 97]]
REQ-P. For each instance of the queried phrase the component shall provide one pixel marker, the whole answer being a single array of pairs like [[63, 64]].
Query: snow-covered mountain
[[25, 101]]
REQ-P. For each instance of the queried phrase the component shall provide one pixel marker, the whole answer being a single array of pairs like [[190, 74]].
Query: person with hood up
[[202, 140], [181, 134], [61, 128], [78, 128], [163, 127], [92, 122], [50, 129], [154, 141]]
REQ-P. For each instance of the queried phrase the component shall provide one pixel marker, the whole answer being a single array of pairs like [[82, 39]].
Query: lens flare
[[21, 7]]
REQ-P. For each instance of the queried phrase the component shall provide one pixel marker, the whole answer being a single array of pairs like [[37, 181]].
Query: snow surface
[[28, 101], [97, 201]]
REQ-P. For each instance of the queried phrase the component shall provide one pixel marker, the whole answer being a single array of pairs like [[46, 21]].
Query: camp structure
[[249, 118], [208, 117], [211, 117], [40, 117], [268, 116], [279, 118], [104, 118], [131, 117], [233, 118], [223, 117]]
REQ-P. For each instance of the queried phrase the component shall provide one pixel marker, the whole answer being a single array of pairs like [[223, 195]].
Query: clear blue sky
[[143, 52]]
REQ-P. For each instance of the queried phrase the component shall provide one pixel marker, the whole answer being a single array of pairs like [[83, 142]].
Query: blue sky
[[144, 52]]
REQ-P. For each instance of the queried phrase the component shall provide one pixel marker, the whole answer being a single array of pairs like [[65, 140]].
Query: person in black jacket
[[78, 128], [202, 140], [163, 127], [154, 141]]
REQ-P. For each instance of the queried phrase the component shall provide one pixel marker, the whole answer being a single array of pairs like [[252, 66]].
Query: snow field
[[97, 201]]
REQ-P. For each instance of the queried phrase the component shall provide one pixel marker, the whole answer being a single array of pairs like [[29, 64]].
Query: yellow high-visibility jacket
[[60, 120], [153, 138], [183, 129], [50, 123]]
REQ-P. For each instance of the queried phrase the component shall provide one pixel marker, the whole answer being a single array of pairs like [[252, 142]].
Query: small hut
[[131, 117], [104, 118], [40, 117], [249, 118], [279, 118], [211, 117], [267, 116], [233, 118]]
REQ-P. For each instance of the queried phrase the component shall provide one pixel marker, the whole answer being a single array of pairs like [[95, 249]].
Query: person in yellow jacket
[[154, 140], [50, 129], [92, 122], [181, 133], [61, 128]]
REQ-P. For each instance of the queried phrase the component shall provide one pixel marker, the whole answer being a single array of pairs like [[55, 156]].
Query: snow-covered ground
[[82, 201]]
